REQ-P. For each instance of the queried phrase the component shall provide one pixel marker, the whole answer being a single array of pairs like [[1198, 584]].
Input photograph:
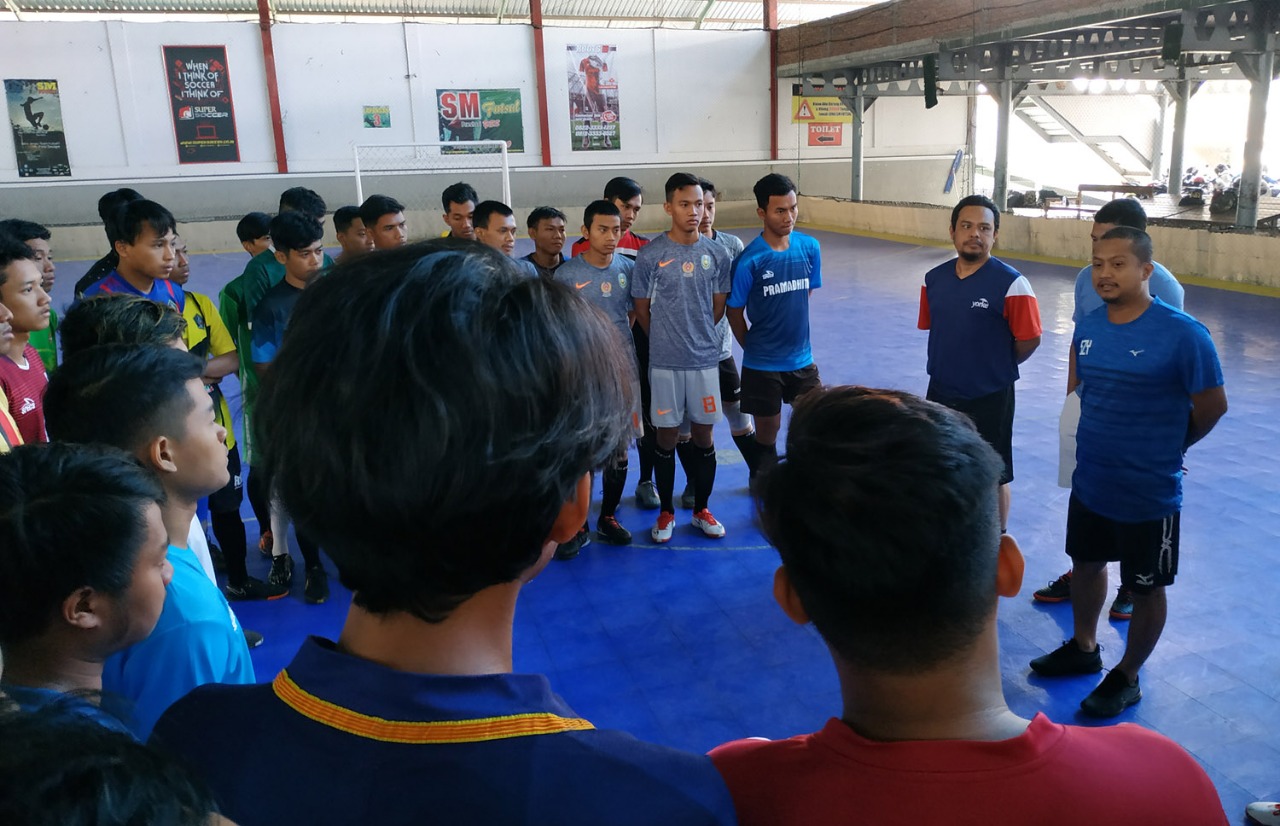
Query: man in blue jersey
[[1150, 387], [414, 711], [145, 248], [771, 285], [495, 226], [151, 402], [1122, 212], [680, 284]]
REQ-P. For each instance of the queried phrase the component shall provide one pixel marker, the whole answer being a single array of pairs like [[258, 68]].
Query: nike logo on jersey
[[1137, 352], [580, 286], [665, 263], [662, 412]]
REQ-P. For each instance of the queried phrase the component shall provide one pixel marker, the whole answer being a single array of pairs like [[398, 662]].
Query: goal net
[[416, 173]]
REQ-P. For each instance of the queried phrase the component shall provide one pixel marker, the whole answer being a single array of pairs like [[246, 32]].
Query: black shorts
[[730, 385], [228, 499], [1147, 551], [641, 342], [764, 391], [992, 415]]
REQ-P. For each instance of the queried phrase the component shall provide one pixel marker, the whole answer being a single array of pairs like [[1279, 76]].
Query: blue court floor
[[682, 644]]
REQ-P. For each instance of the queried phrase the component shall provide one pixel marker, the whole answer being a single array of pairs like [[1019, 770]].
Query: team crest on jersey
[[606, 288], [706, 262], [687, 267], [199, 319], [622, 280]]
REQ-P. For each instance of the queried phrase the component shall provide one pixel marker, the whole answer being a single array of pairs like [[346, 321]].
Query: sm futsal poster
[[480, 115], [35, 113], [594, 122], [204, 120]]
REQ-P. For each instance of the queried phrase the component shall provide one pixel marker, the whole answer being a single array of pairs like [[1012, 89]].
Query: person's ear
[[1010, 566], [159, 454], [784, 593], [79, 609], [573, 513], [282, 257]]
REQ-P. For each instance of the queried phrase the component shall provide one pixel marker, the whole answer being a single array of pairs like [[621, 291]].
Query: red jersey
[[629, 244], [24, 388]]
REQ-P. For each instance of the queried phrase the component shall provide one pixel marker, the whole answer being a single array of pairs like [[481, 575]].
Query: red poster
[[204, 119], [826, 134]]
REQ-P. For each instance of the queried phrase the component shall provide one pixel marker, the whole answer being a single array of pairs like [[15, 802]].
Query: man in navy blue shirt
[[477, 397], [772, 281], [145, 248], [1150, 387]]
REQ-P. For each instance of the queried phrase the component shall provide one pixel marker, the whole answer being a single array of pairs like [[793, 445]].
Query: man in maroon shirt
[[22, 375]]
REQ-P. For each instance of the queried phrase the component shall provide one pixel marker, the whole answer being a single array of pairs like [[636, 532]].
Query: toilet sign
[[826, 134]]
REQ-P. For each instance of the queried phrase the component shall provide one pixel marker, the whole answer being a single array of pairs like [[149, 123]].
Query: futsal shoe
[[1122, 605], [266, 543], [609, 530], [574, 546], [705, 522], [1068, 660], [647, 496], [1263, 812], [666, 526], [1113, 695], [1057, 591], [281, 571]]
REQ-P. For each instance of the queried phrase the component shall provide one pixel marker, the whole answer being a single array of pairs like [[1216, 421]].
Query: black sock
[[310, 550], [704, 475], [746, 443], [688, 456], [664, 474], [644, 447], [615, 479], [229, 531], [256, 484], [767, 457]]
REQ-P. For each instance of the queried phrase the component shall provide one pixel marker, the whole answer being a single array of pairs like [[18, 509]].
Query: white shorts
[[1067, 424], [677, 392]]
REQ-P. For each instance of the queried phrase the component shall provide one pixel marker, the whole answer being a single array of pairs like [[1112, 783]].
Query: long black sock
[[664, 474], [259, 499], [229, 531], [768, 457], [310, 550], [615, 479], [644, 446], [704, 459], [748, 447], [688, 456]]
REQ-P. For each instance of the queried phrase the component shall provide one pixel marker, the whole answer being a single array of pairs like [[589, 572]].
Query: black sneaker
[[253, 588], [609, 530], [251, 638], [281, 571], [1122, 605], [1057, 591], [316, 589], [686, 498], [1113, 695], [647, 496], [1068, 659], [570, 549]]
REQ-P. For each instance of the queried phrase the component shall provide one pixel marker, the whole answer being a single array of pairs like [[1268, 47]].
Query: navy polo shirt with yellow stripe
[[373, 745]]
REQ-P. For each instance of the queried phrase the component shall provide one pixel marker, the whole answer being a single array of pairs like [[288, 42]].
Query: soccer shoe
[[1122, 605], [686, 498], [1057, 591], [664, 528], [265, 543], [316, 589], [251, 638], [1067, 660], [281, 570], [647, 496], [1264, 813], [609, 530], [574, 546], [1112, 696], [253, 588], [705, 522]]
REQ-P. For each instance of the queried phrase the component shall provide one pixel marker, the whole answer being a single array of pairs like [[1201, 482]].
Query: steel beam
[[859, 113], [1004, 99], [1255, 132]]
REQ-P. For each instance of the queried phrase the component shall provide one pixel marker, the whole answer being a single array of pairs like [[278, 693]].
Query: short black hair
[[134, 215], [708, 188], [543, 213], [12, 249], [979, 201], [74, 516], [109, 209], [770, 186], [459, 193], [1138, 240], [1123, 212], [118, 318], [306, 201], [485, 209], [679, 181], [121, 395], [600, 207], [294, 231], [25, 231], [60, 767], [497, 392], [622, 189], [253, 226], [881, 497], [344, 217], [375, 206]]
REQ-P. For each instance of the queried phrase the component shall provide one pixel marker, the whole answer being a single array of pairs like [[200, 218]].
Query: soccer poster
[[204, 120], [35, 112], [377, 117], [481, 115], [594, 121]]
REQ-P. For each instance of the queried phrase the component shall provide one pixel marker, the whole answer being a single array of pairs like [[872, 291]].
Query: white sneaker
[[705, 522], [666, 526], [1267, 813]]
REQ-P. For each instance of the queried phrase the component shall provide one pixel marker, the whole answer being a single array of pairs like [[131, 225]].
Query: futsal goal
[[416, 173]]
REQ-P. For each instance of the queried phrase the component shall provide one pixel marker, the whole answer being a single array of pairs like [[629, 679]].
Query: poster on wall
[[594, 122], [204, 119], [35, 112], [818, 109], [377, 117], [481, 115], [826, 134]]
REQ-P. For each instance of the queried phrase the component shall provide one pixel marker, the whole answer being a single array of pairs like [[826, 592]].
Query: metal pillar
[[1157, 145], [1004, 97], [1181, 100], [859, 111], [273, 88], [540, 67], [1251, 175], [771, 27]]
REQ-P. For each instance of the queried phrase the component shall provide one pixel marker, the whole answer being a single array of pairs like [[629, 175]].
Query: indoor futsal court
[[682, 644]]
